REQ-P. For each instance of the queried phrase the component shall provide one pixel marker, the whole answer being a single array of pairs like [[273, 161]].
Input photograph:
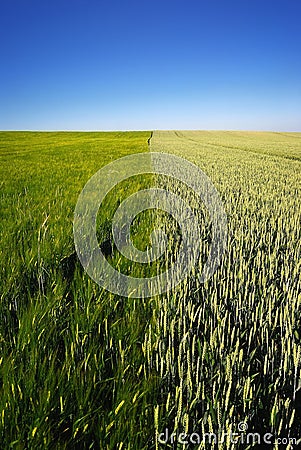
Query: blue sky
[[130, 65]]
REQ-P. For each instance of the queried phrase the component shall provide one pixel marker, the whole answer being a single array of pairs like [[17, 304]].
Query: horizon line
[[146, 130]]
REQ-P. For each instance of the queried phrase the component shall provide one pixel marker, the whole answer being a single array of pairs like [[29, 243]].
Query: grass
[[83, 368], [70, 352], [229, 350]]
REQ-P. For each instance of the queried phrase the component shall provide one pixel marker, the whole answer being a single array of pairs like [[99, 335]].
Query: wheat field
[[82, 368]]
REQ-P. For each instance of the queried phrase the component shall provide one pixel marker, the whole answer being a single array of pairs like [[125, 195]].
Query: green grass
[[70, 352], [83, 368]]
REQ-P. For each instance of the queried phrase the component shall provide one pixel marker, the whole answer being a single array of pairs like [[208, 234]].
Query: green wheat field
[[82, 368]]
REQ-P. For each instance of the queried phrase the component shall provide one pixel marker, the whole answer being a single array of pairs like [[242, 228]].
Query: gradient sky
[[105, 65]]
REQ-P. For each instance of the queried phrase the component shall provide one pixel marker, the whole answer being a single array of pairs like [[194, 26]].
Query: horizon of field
[[133, 130]]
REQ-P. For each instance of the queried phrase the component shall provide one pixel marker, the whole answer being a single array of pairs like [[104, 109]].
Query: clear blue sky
[[169, 64]]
